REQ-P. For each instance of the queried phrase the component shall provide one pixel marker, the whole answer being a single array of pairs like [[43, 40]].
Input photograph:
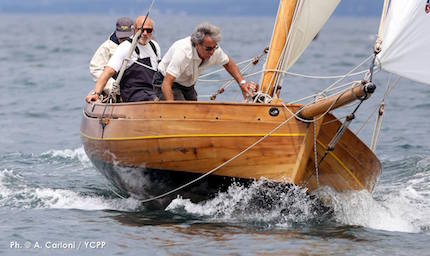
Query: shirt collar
[[195, 54]]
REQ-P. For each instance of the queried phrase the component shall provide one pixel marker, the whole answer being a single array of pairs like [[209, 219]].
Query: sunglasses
[[209, 49], [148, 30]]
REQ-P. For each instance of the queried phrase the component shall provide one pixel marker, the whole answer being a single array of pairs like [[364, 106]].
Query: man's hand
[[248, 89], [92, 96]]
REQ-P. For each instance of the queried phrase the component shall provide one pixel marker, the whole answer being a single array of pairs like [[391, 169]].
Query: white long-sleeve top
[[100, 59]]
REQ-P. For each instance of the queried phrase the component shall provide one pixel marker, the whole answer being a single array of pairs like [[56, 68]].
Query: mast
[[297, 23], [280, 32]]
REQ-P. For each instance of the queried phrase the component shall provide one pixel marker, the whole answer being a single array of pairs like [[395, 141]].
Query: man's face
[[146, 31], [207, 48]]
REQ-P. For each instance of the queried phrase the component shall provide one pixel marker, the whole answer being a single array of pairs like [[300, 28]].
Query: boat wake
[[15, 193], [69, 154], [400, 202], [263, 202], [402, 206], [395, 212]]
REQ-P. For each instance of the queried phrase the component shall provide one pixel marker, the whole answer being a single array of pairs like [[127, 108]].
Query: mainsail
[[405, 35], [294, 34]]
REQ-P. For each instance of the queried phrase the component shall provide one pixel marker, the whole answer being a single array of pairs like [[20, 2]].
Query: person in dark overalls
[[136, 83]]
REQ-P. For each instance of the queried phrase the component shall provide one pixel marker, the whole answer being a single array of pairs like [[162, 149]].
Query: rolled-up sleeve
[[176, 66], [220, 57], [118, 57]]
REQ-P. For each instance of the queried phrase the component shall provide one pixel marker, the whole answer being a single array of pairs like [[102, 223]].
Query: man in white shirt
[[187, 58], [136, 83], [124, 29]]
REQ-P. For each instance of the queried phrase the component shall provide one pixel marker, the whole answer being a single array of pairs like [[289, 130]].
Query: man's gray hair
[[205, 29]]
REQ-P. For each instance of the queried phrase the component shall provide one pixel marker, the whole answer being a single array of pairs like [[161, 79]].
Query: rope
[[331, 87], [377, 128], [286, 52], [350, 73], [238, 64], [388, 91], [293, 115], [321, 116], [113, 191], [309, 76], [141, 64], [316, 94], [298, 75], [328, 89], [287, 73], [316, 155], [379, 38], [352, 70], [341, 131], [219, 166], [230, 81]]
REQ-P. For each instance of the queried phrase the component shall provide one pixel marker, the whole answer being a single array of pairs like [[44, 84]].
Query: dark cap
[[124, 27]]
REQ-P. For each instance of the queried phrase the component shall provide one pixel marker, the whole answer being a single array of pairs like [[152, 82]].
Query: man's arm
[[98, 61], [166, 87], [108, 72], [233, 70]]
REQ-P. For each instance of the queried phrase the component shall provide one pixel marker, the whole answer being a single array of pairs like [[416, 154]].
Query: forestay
[[406, 40]]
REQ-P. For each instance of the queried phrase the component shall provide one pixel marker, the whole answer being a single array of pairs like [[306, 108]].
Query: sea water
[[53, 201]]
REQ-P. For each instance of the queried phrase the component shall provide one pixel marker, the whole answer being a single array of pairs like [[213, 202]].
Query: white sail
[[406, 40], [310, 17], [297, 24]]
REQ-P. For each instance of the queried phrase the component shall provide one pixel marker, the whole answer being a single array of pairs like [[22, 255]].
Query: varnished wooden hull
[[192, 138]]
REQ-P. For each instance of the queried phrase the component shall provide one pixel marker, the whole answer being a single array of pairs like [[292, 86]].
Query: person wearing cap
[[124, 29], [136, 82], [185, 60]]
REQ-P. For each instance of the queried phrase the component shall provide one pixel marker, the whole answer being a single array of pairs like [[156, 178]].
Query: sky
[[189, 7]]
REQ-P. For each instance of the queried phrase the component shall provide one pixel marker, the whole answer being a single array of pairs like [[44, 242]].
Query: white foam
[[78, 153], [394, 212], [4, 191], [223, 204], [401, 210], [241, 203], [15, 193], [66, 199], [424, 163]]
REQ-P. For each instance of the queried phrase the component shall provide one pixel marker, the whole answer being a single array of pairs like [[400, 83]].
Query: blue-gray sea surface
[[53, 201]]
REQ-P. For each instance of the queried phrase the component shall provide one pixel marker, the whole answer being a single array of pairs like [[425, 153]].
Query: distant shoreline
[[155, 14], [240, 8]]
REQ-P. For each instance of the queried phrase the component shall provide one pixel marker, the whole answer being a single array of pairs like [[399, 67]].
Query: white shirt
[[183, 62], [99, 61], [145, 51]]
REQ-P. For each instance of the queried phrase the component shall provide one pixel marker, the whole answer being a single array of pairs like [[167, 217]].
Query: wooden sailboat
[[150, 148]]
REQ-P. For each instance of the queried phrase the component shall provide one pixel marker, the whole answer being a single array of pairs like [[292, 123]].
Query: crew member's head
[[146, 31], [205, 39], [124, 28]]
